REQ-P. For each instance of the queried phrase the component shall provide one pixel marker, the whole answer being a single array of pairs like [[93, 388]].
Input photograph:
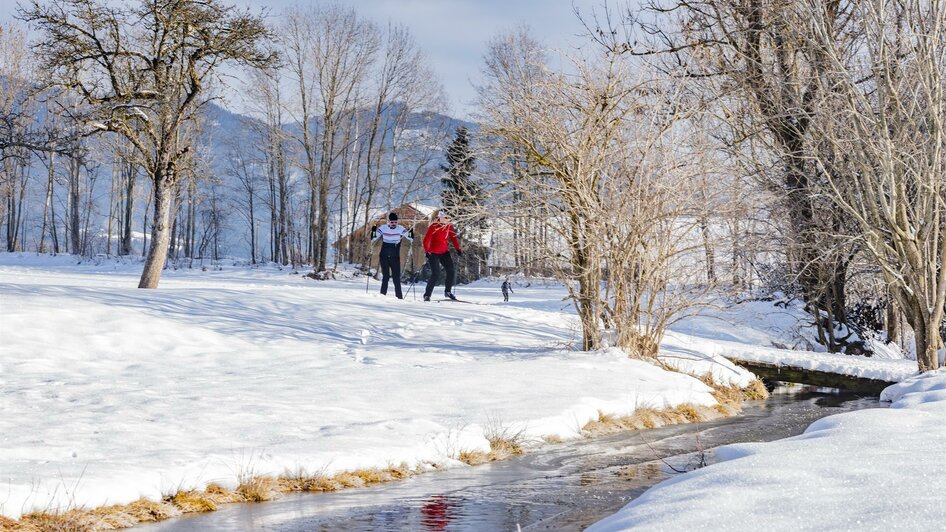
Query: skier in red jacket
[[438, 253]]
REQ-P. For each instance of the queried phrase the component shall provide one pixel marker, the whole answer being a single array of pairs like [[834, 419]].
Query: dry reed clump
[[116, 517], [69, 521], [552, 438], [9, 524], [756, 391], [144, 510], [258, 489], [349, 480], [648, 418], [504, 441], [731, 396], [255, 489], [190, 501], [346, 479], [473, 457], [221, 495]]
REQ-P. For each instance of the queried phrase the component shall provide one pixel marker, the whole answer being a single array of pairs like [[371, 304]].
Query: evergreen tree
[[462, 196], [460, 193]]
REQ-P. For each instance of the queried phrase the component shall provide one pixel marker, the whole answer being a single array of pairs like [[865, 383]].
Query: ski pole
[[370, 250], [410, 253]]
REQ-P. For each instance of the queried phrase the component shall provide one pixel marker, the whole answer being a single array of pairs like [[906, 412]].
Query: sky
[[453, 33]]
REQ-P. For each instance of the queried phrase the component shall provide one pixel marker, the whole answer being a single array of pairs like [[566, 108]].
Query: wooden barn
[[411, 216]]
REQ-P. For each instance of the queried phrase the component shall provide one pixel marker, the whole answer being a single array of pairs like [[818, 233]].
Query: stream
[[566, 486]]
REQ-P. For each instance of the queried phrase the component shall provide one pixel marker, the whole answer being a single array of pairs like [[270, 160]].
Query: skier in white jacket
[[390, 258]]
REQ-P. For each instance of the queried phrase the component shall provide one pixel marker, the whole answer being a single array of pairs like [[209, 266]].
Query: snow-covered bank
[[877, 469], [110, 393]]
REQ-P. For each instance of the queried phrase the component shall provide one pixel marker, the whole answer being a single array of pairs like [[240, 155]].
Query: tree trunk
[[709, 251], [48, 203], [160, 234], [927, 343], [74, 206], [252, 230], [127, 248]]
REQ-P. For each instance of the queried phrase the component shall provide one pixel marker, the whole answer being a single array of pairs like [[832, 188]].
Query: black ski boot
[[450, 295]]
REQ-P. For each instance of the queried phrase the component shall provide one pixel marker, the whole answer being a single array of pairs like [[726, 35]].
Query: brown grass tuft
[[732, 396], [69, 521], [349, 480], [221, 495], [504, 441], [258, 489], [552, 438], [401, 471], [144, 510], [756, 391], [322, 484], [473, 457], [193, 501], [691, 413], [648, 418]]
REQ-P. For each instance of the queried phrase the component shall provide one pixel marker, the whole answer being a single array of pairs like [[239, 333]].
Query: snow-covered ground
[[876, 469], [110, 393]]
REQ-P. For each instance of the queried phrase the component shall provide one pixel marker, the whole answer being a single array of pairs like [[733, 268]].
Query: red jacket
[[435, 240]]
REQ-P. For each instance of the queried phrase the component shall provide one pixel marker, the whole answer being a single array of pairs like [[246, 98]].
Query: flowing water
[[565, 486]]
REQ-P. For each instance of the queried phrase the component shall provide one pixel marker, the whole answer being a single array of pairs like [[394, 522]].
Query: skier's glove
[[459, 253], [427, 254]]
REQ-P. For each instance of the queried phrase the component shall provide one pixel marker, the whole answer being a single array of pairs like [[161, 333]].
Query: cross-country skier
[[438, 253], [390, 258], [507, 289]]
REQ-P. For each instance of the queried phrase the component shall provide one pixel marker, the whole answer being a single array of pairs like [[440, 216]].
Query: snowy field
[[875, 469], [110, 393]]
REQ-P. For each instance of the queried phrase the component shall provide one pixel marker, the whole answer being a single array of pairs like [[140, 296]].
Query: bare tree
[[142, 72], [246, 166], [17, 105], [331, 50], [750, 58], [884, 125]]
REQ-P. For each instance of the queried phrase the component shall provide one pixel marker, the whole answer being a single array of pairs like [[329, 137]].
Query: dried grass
[[258, 489], [648, 418], [69, 521], [221, 495], [504, 442], [193, 501], [756, 391], [473, 457]]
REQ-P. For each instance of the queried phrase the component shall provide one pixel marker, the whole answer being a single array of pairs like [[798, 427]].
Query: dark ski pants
[[505, 295], [435, 260], [390, 260]]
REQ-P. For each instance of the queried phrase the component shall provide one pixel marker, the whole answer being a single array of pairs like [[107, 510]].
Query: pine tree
[[462, 197], [460, 194]]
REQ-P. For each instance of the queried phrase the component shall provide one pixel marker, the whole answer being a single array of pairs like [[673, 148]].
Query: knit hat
[[392, 217], [441, 212]]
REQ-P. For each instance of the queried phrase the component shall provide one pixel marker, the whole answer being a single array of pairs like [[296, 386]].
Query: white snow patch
[[876, 469], [111, 393]]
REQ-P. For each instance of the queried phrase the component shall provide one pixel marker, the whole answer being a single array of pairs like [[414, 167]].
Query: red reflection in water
[[437, 513]]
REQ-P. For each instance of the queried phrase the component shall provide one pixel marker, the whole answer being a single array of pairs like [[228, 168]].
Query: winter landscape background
[[189, 306]]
